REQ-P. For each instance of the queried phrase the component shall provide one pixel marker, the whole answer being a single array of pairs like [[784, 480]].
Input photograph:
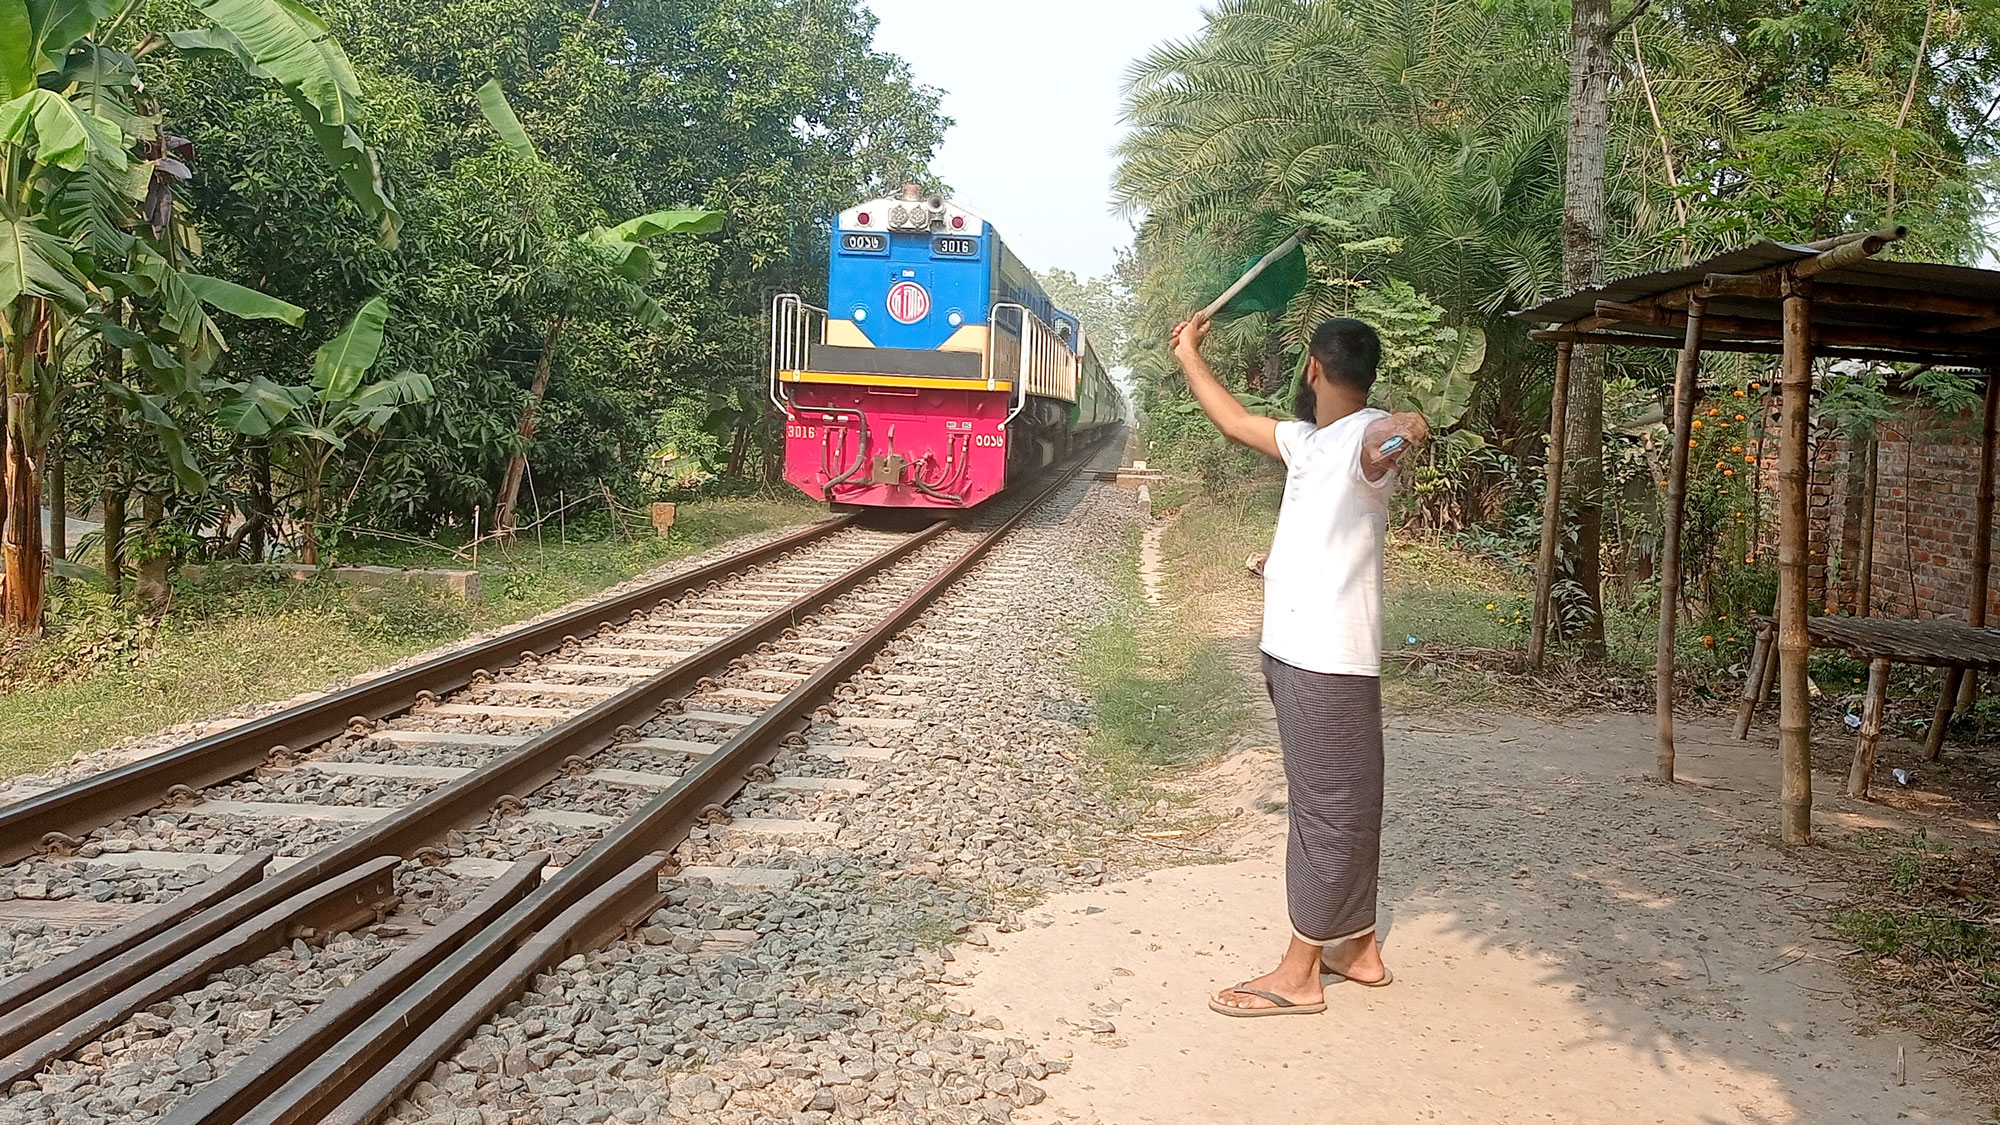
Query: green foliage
[[1101, 303], [1423, 147], [664, 119], [1427, 366]]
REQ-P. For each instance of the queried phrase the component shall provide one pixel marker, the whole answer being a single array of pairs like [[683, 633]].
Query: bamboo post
[[1545, 561], [1864, 576], [1955, 680], [1670, 550], [1982, 534], [1871, 728], [1794, 645], [1941, 717], [1755, 683]]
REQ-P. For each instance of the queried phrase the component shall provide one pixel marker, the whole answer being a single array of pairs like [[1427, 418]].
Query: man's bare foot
[[1296, 979], [1358, 959], [1279, 982]]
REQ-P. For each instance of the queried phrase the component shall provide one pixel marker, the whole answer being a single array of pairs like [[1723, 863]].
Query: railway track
[[531, 813]]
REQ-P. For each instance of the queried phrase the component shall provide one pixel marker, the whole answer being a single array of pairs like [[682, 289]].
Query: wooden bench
[[1881, 641]]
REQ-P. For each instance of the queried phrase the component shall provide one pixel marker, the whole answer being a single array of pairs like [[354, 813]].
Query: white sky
[[1034, 88]]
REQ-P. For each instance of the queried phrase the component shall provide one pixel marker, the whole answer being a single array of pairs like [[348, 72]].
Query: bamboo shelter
[[1830, 299]]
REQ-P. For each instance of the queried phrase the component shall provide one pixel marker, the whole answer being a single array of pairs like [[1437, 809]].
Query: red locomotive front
[[938, 374], [886, 446]]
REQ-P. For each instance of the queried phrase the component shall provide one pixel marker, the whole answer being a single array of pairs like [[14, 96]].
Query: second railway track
[[523, 818]]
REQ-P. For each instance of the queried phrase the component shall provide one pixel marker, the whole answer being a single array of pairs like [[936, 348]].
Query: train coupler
[[887, 468]]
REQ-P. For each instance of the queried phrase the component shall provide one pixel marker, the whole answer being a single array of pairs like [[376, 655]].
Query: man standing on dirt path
[[1322, 647]]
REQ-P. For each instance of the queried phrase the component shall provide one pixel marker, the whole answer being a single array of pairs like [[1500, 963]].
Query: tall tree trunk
[[58, 501], [152, 588], [27, 566], [263, 508], [517, 466], [117, 485], [6, 496], [116, 488], [21, 449], [1583, 225], [739, 446], [1272, 379], [315, 471]]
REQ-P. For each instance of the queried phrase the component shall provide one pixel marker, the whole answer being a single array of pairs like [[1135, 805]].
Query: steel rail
[[633, 892], [415, 825], [274, 1063], [66, 812], [382, 1058], [244, 873], [339, 903]]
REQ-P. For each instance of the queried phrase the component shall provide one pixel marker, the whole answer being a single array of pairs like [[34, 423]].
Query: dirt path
[[1574, 943]]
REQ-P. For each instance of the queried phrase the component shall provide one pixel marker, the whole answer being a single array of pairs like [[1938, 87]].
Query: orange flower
[[1749, 460], [1749, 558], [1756, 386], [1735, 449], [1739, 417], [1691, 443], [1712, 411], [1708, 642], [1718, 464], [1697, 423], [1729, 472], [1740, 393]]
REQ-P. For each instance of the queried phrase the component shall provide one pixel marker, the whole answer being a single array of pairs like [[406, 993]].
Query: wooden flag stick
[[1263, 263]]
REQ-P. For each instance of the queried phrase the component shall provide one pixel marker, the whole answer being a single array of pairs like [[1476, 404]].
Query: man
[[1322, 647]]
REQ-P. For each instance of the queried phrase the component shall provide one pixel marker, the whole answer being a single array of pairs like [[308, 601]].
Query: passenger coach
[[938, 373]]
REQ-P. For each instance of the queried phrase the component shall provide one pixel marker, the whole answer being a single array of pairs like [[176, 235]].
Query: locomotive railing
[[1035, 357], [795, 327]]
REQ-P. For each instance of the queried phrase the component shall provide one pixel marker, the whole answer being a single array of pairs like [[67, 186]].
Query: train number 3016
[[802, 431]]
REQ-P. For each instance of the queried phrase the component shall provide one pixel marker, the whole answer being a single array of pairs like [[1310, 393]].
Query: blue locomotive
[[938, 373]]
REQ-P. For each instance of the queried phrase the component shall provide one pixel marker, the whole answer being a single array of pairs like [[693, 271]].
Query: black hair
[[1348, 352]]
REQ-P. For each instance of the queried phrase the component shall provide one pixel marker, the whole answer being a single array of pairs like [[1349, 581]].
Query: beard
[[1305, 404]]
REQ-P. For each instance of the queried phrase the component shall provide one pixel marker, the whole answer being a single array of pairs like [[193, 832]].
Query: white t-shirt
[[1323, 579]]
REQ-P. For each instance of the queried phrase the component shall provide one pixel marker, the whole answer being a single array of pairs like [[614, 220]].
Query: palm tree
[[1455, 112]]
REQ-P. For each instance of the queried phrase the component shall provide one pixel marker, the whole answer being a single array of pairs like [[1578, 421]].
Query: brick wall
[[1927, 494]]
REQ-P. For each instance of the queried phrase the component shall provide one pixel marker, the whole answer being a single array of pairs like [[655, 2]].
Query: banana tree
[[87, 225], [306, 425], [600, 263]]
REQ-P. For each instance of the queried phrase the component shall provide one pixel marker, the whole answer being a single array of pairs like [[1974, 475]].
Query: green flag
[[1268, 290]]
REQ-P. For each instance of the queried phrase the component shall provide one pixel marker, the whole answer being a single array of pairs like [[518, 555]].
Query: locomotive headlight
[[954, 318], [899, 215], [860, 314]]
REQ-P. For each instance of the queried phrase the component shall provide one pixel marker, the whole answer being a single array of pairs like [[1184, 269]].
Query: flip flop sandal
[[1279, 1005], [1388, 978]]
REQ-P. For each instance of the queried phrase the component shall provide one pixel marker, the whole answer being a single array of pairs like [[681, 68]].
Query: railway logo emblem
[[908, 302]]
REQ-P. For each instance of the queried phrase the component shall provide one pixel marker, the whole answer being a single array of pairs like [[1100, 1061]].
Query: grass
[[1925, 922], [104, 674], [1165, 694], [1432, 591], [1157, 708], [1174, 685]]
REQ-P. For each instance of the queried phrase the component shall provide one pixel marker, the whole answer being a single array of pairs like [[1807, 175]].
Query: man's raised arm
[[1236, 423]]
